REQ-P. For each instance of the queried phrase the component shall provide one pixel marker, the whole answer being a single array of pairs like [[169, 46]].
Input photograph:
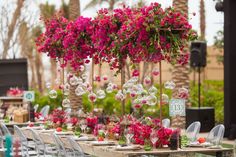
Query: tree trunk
[[33, 81], [202, 29], [76, 101], [11, 28], [180, 74], [53, 71], [127, 70], [145, 68], [111, 4], [202, 20], [151, 68], [74, 9], [39, 71]]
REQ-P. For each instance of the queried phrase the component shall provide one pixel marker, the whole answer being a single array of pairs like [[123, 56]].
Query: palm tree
[[202, 20], [93, 3], [76, 101], [36, 31], [74, 9], [180, 74], [202, 27], [27, 50], [11, 27], [26, 40]]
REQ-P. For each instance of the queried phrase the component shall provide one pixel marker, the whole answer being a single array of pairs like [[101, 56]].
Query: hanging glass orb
[[151, 100], [165, 99], [74, 81], [169, 85], [101, 94], [79, 91], [152, 90], [66, 103], [147, 80], [92, 97], [52, 94], [48, 85]]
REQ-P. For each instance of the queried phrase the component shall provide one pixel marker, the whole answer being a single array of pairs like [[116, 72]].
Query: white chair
[[78, 152], [45, 110], [5, 130], [216, 135], [59, 108], [25, 145], [2, 138], [166, 123], [36, 107], [62, 151], [41, 147], [193, 131]]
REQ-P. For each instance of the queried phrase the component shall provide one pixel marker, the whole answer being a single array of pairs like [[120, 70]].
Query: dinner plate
[[131, 147], [47, 131], [64, 133], [197, 144], [83, 138], [102, 143], [35, 127]]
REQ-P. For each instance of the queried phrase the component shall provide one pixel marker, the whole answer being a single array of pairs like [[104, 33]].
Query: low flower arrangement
[[58, 117], [142, 131], [91, 123], [16, 92]]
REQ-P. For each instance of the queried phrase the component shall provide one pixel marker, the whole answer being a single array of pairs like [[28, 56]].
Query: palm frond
[[92, 4]]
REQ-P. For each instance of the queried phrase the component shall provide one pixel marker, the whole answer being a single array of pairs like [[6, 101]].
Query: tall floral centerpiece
[[149, 34], [69, 41], [146, 34], [106, 28]]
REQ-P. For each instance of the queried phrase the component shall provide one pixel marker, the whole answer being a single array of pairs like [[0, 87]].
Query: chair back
[[59, 144], [166, 123], [36, 138], [216, 134], [59, 108], [76, 147], [45, 110], [193, 131], [1, 139], [36, 107], [20, 134], [5, 130]]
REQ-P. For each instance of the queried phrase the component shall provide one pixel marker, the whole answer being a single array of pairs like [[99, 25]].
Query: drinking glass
[[83, 125], [153, 137], [128, 135]]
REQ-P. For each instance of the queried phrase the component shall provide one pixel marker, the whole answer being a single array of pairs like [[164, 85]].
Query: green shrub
[[43, 100], [212, 95]]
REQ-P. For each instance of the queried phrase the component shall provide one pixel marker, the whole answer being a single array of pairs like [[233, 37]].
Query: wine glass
[[128, 135], [83, 125], [153, 137]]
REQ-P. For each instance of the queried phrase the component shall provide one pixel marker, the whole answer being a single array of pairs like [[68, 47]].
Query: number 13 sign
[[177, 107]]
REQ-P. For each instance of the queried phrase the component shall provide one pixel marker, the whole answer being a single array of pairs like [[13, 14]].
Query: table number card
[[177, 107], [28, 96]]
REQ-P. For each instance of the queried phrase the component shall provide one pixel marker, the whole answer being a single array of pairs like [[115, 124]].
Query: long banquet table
[[109, 151]]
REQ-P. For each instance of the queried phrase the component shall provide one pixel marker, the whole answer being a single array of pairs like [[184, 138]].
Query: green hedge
[[212, 95]]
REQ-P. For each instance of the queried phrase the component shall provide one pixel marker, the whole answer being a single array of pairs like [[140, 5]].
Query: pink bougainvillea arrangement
[[149, 33]]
